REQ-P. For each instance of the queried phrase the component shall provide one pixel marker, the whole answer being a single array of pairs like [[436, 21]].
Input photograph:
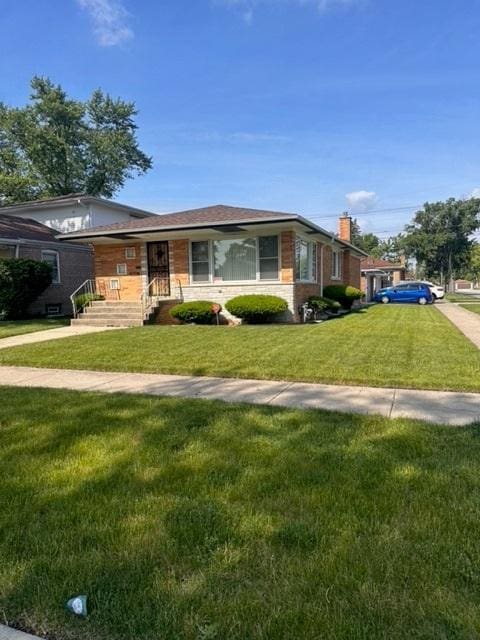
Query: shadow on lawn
[[193, 519]]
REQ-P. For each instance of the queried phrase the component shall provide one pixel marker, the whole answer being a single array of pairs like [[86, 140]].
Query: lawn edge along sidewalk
[[439, 407], [466, 322], [7, 633]]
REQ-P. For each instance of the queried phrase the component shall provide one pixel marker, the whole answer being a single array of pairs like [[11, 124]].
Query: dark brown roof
[[217, 214], [14, 228], [376, 263]]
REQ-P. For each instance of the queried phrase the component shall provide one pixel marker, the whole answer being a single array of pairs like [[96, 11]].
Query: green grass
[[397, 345], [190, 520], [472, 307], [462, 297], [10, 328]]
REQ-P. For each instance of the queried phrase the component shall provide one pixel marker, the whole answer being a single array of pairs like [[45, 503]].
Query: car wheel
[[385, 299], [434, 298], [422, 300]]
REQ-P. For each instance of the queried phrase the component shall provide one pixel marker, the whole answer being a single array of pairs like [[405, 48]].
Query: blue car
[[405, 292]]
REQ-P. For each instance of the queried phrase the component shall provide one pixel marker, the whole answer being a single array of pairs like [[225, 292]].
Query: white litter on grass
[[78, 605]]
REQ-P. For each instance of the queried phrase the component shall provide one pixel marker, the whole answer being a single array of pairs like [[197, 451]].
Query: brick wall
[[76, 266], [350, 273], [287, 255], [179, 262], [354, 271], [107, 257]]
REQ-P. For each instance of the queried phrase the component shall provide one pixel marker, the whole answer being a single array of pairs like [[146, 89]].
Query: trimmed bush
[[21, 282], [256, 308], [199, 312], [323, 304], [84, 298], [344, 294]]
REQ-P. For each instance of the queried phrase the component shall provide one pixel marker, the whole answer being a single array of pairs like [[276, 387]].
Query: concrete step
[[106, 304], [104, 322], [115, 315]]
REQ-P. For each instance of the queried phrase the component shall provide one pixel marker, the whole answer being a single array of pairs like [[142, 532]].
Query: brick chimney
[[345, 227]]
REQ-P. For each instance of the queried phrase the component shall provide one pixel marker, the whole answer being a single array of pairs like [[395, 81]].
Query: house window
[[115, 284], [53, 309], [305, 260], [130, 253], [121, 269], [51, 258], [8, 251], [200, 269], [336, 265], [235, 260], [268, 257]]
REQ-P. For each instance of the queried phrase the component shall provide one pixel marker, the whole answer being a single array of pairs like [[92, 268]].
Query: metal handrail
[[89, 287], [180, 290], [147, 298]]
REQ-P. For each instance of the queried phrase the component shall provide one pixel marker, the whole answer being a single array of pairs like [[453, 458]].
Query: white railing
[[150, 295], [89, 290]]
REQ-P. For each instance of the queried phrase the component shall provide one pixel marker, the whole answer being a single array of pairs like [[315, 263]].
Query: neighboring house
[[377, 274], [75, 212], [71, 264], [218, 252]]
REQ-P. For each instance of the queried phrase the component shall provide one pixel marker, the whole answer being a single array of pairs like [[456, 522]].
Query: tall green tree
[[56, 145], [440, 237], [472, 269], [369, 242], [389, 249]]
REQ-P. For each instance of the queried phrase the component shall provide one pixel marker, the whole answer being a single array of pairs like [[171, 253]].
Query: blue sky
[[311, 106]]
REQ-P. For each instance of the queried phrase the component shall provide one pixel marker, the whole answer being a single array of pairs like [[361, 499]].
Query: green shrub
[[323, 304], [256, 308], [84, 298], [344, 294], [199, 312], [21, 282]]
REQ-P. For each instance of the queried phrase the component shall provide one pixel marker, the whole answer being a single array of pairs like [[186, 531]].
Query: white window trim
[[134, 252], [57, 257], [338, 275], [115, 287], [11, 244], [211, 277], [120, 266], [314, 277]]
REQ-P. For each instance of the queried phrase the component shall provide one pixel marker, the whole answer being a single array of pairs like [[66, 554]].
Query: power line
[[366, 213]]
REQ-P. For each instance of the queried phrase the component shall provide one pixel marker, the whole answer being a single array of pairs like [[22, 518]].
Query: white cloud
[[110, 21], [361, 201], [475, 193]]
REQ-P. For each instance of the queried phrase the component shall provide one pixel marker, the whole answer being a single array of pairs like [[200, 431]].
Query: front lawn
[[18, 327], [462, 297], [472, 307], [194, 520], [391, 345]]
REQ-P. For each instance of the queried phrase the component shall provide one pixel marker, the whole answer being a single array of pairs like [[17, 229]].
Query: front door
[[158, 268]]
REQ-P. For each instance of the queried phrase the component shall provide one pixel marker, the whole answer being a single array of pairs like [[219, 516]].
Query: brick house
[[218, 252], [377, 274], [71, 263]]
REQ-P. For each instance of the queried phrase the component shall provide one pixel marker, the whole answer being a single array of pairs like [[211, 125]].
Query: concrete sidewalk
[[466, 321], [50, 334], [7, 633], [440, 407]]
